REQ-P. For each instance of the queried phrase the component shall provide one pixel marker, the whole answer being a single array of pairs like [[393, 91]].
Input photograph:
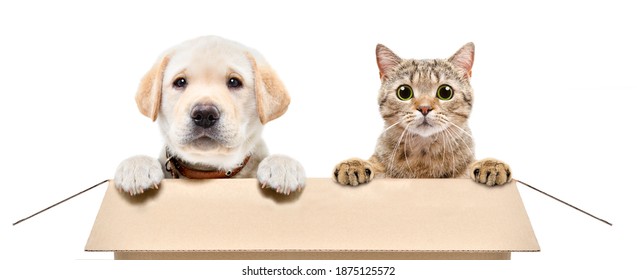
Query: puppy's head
[[211, 97]]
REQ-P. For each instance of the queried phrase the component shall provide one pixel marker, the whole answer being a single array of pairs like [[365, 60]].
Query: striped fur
[[424, 136]]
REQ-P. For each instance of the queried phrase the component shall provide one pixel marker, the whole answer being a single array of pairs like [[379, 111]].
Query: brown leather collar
[[177, 167]]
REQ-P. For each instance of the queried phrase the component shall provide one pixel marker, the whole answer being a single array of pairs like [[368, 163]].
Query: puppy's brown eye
[[234, 83], [180, 83]]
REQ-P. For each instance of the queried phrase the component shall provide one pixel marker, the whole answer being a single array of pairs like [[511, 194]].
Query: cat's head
[[425, 96]]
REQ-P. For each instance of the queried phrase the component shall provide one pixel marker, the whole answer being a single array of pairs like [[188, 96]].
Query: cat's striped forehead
[[430, 71]]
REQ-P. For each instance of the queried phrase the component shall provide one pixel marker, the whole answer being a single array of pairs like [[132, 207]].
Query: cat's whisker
[[390, 127], [445, 134], [451, 144], [396, 123], [459, 136], [461, 129], [408, 142], [400, 139], [457, 132], [453, 155], [444, 145], [457, 139], [393, 154]]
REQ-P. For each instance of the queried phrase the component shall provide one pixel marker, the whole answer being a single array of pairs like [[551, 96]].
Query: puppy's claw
[[138, 173], [281, 173]]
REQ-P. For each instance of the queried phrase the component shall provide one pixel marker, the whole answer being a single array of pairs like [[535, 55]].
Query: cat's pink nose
[[425, 110]]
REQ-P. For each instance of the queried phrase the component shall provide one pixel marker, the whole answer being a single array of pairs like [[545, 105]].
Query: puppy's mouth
[[208, 139], [204, 139], [220, 136], [204, 143]]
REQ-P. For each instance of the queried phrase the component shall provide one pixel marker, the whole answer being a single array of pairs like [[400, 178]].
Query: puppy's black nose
[[205, 115]]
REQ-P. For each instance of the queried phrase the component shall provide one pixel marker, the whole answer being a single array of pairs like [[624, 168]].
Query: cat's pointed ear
[[386, 60], [463, 59]]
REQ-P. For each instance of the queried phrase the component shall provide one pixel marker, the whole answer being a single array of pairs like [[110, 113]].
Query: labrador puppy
[[211, 98]]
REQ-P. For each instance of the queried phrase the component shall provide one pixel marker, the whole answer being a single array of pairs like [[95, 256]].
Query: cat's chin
[[426, 130]]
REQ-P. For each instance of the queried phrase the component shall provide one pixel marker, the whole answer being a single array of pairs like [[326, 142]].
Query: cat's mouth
[[425, 123], [427, 128], [423, 127]]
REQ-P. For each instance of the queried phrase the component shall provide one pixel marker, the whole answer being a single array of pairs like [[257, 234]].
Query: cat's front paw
[[281, 173], [490, 172], [353, 172], [138, 173]]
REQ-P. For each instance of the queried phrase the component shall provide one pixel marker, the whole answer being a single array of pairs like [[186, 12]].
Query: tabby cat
[[425, 105]]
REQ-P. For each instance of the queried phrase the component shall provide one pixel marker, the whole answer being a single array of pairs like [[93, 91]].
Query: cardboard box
[[386, 219]]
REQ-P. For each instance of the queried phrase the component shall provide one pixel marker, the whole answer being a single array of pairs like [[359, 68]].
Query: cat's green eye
[[404, 92], [445, 92]]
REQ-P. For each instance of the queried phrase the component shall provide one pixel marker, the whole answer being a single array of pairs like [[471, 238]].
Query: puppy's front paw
[[281, 173], [353, 172], [490, 171], [138, 173]]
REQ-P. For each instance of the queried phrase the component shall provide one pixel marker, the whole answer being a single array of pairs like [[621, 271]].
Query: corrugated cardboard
[[386, 219]]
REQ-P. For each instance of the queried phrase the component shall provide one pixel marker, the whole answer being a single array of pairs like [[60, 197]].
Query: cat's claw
[[490, 171], [353, 172]]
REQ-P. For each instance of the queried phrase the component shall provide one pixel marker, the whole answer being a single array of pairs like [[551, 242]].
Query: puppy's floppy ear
[[148, 96], [272, 97]]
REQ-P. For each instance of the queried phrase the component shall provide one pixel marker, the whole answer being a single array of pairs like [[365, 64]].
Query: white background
[[554, 90]]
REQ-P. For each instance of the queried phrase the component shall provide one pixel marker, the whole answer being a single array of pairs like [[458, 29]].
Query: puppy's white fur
[[207, 64]]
